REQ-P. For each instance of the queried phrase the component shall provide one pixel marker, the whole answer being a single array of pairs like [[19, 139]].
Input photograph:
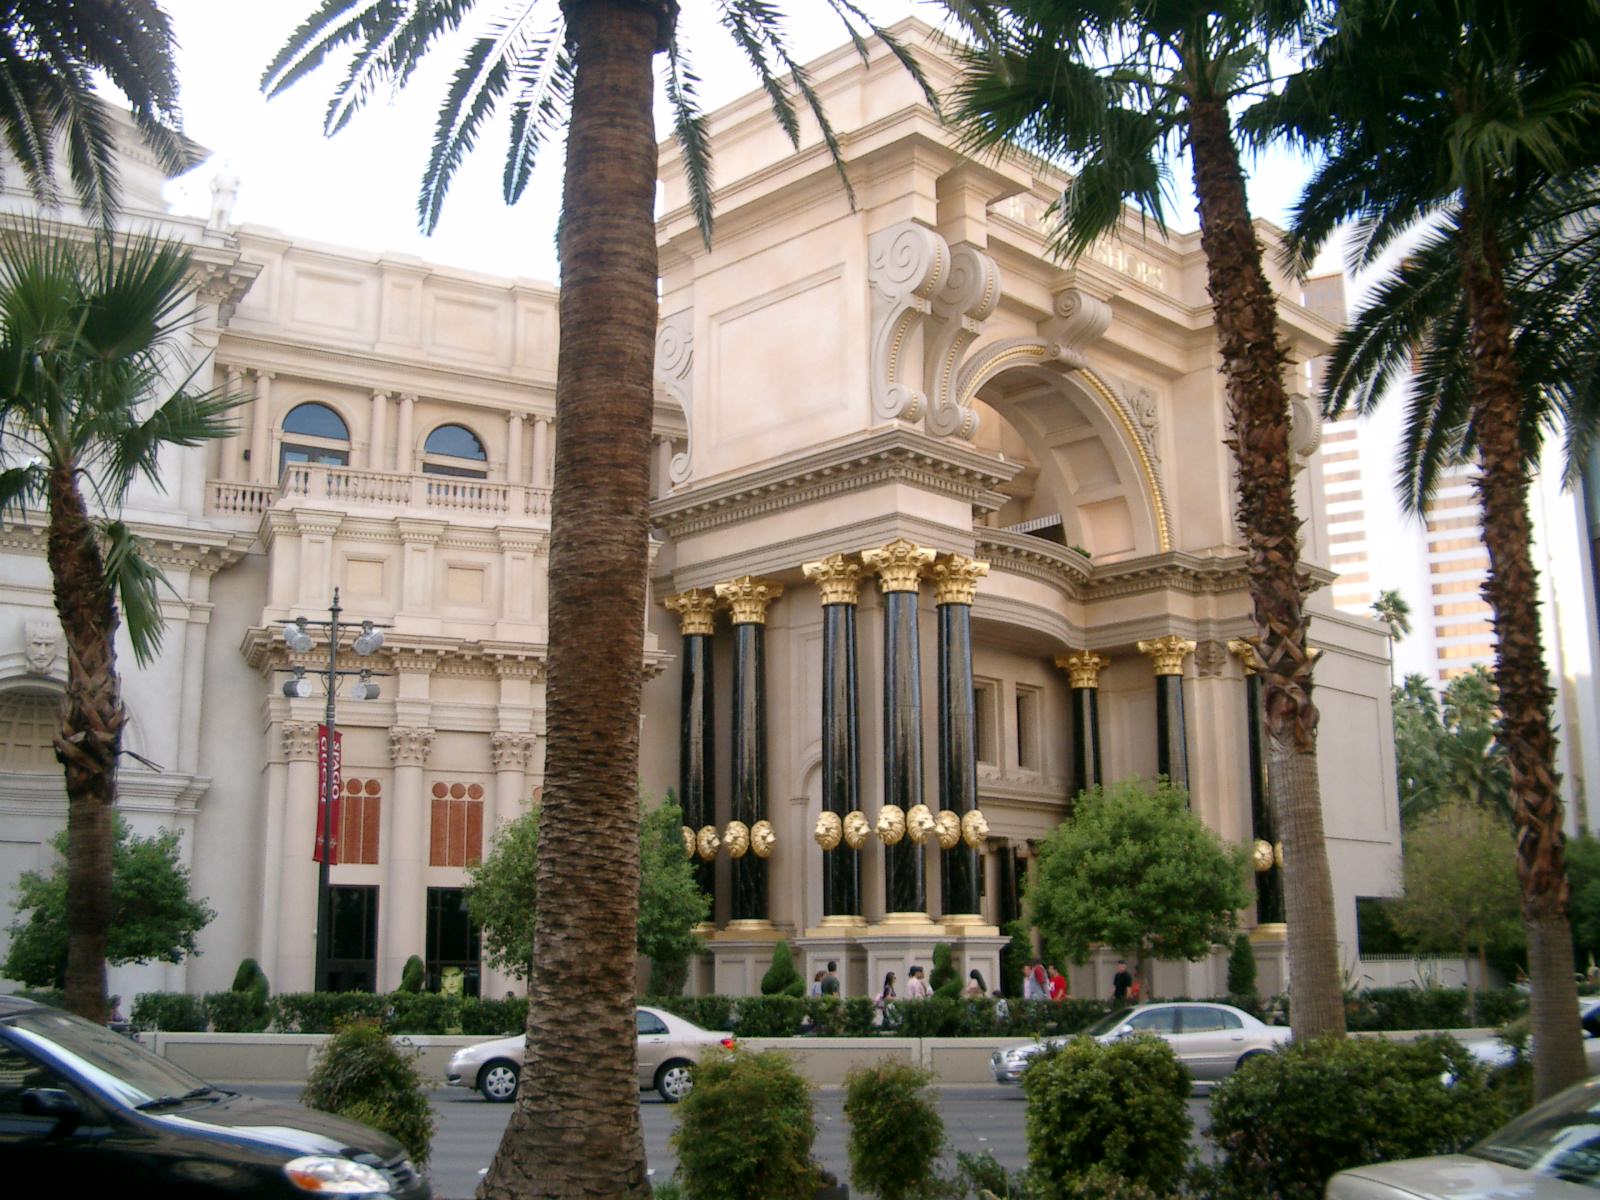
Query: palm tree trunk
[[1512, 593], [1253, 364], [575, 1131], [90, 739]]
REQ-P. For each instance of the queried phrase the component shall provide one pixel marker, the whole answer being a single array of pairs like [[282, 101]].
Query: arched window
[[314, 433], [29, 721], [455, 450]]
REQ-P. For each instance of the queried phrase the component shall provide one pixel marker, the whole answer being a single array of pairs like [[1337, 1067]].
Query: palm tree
[[1391, 608], [576, 1129], [1114, 87], [88, 334], [50, 53], [1455, 115]]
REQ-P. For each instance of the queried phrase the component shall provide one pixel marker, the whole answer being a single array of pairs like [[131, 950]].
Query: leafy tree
[[1448, 753], [1461, 892], [1419, 737], [1116, 88], [1452, 119], [671, 903], [51, 54], [88, 334], [503, 896], [1391, 608], [1136, 870], [577, 1129], [154, 917]]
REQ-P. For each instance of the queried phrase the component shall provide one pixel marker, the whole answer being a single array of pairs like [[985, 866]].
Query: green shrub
[[1241, 967], [362, 1075], [422, 1012], [413, 975], [746, 1130], [824, 1016], [1284, 1122], [171, 1012], [980, 1174], [943, 978], [781, 978], [896, 1133], [251, 978], [53, 997], [1497, 1006], [235, 1012], [1121, 1107], [322, 1012], [859, 1013], [769, 1016], [494, 1017], [937, 1016]]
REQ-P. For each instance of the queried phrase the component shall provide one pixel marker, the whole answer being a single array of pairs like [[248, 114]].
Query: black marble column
[[956, 583], [899, 566], [1263, 829], [838, 577], [697, 732], [1172, 738], [1083, 670], [747, 600]]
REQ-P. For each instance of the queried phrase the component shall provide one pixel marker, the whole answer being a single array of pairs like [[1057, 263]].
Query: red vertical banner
[[322, 797]]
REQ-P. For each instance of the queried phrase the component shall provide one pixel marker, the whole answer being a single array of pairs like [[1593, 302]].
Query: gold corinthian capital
[[747, 598], [899, 565], [1167, 653], [695, 609], [955, 578], [1083, 669], [838, 578], [1245, 651]]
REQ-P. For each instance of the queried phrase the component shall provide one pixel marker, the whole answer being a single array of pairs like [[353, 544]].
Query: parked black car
[[87, 1112]]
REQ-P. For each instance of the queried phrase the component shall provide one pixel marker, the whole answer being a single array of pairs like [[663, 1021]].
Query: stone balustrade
[[351, 489]]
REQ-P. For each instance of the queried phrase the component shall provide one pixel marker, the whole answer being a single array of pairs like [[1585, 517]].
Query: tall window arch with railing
[[455, 450], [314, 433]]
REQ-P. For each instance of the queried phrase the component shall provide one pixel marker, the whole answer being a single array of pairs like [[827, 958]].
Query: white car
[[669, 1046], [1210, 1039], [1550, 1152]]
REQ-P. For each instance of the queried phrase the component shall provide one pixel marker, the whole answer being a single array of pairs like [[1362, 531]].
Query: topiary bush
[[413, 975], [1121, 1108], [746, 1130], [170, 1012], [1284, 1122], [362, 1075], [1242, 967], [896, 1133], [943, 978], [781, 978]]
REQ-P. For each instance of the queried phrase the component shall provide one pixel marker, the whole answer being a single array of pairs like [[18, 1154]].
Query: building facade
[[944, 533]]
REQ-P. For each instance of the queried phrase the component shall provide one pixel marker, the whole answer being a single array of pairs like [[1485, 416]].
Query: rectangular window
[[1028, 729], [985, 694], [456, 830], [452, 944], [352, 939], [359, 814]]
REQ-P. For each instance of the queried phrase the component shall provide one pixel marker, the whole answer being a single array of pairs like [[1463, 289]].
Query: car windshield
[[1109, 1022], [109, 1061], [1560, 1138]]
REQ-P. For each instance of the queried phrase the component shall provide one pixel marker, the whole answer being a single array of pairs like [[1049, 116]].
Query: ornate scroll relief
[[675, 373], [906, 267], [1146, 413], [1078, 319], [960, 307], [1305, 428]]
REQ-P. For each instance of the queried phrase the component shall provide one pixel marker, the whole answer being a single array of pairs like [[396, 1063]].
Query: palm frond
[[20, 487], [689, 123], [137, 583], [185, 419], [536, 115]]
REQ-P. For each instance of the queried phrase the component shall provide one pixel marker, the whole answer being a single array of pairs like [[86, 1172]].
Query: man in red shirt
[[1058, 984]]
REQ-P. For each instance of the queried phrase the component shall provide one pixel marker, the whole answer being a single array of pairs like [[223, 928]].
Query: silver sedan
[[669, 1046], [1210, 1039]]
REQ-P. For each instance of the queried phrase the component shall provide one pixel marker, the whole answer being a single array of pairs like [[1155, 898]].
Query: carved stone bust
[[856, 829], [974, 829], [919, 823], [707, 842], [947, 827], [762, 839], [829, 830], [689, 841], [736, 837], [891, 824], [41, 642]]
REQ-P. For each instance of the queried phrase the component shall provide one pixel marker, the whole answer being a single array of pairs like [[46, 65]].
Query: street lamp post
[[299, 688]]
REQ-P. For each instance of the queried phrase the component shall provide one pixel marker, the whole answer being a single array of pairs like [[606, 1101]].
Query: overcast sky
[[359, 188]]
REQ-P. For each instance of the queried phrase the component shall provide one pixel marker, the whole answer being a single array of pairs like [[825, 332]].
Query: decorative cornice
[[838, 578], [887, 455], [955, 578], [190, 548], [409, 746], [511, 751], [899, 565], [1083, 668], [747, 598], [1167, 653], [696, 609]]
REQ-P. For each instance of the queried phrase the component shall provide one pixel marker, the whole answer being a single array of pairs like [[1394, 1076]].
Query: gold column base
[[843, 921], [704, 929], [1272, 931], [904, 924], [749, 929], [968, 925]]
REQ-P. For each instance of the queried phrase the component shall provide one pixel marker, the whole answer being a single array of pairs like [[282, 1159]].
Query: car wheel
[[675, 1080], [1248, 1055], [498, 1081]]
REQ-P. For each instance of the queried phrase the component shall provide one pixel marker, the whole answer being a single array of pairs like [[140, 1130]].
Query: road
[[976, 1118]]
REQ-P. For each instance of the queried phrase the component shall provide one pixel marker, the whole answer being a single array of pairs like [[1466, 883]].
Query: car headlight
[[330, 1176]]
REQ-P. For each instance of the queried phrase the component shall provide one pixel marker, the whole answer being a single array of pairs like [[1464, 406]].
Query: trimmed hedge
[[171, 1012]]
